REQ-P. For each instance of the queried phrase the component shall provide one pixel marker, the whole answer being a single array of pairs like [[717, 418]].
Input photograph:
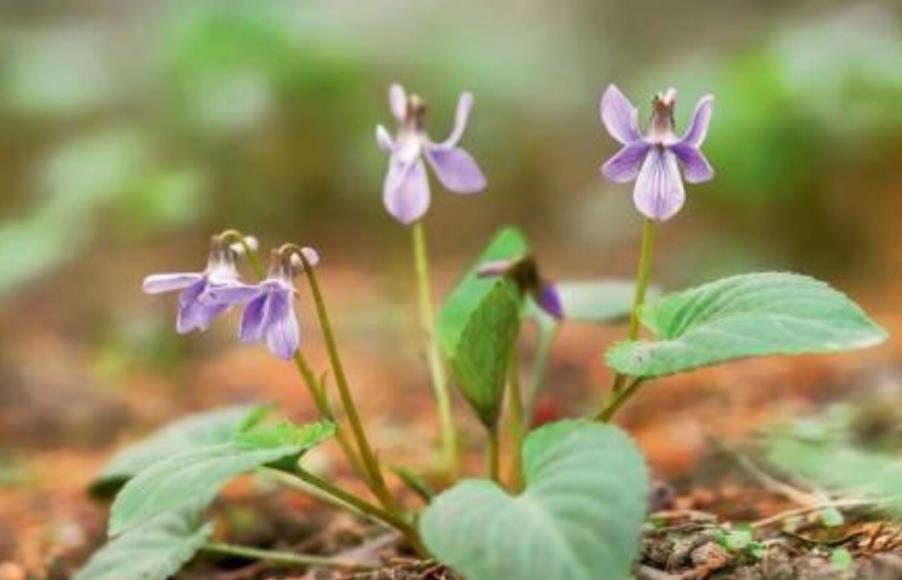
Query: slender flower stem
[[617, 400], [544, 344], [321, 400], [493, 455], [517, 423], [318, 394], [281, 557], [390, 518], [367, 455], [643, 275], [450, 448], [252, 258]]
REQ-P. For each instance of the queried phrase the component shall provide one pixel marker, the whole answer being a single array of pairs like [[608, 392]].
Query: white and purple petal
[[619, 116], [158, 283], [624, 166], [384, 139], [283, 334], [698, 127], [397, 101], [406, 190], [192, 313], [659, 192], [696, 168], [456, 169], [231, 293], [461, 116]]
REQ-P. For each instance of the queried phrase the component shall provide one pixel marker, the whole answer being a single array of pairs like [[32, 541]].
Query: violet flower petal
[[461, 115], [279, 324], [659, 192], [251, 327], [624, 166], [456, 169], [283, 336], [397, 101], [191, 313], [157, 283], [619, 116], [698, 127], [550, 301], [696, 168], [384, 139], [406, 190], [231, 293]]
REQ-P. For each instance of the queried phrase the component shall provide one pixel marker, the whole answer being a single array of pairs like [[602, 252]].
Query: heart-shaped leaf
[[478, 325], [218, 426], [742, 316], [153, 551], [579, 518], [190, 480]]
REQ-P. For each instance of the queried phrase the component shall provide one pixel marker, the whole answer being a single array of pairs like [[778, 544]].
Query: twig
[[285, 558], [766, 480], [828, 543], [838, 504]]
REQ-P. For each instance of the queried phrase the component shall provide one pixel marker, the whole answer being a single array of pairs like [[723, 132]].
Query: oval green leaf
[[479, 362], [580, 517], [742, 316], [154, 551], [478, 325], [191, 479]]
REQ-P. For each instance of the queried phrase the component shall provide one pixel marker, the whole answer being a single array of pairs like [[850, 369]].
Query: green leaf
[[478, 325], [479, 362], [191, 479], [598, 302], [743, 316], [841, 559], [201, 429], [579, 518], [509, 243], [153, 551]]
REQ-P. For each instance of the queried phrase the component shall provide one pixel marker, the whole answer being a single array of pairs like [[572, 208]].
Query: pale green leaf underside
[[744, 316], [191, 479], [598, 302], [580, 517], [218, 426], [154, 551]]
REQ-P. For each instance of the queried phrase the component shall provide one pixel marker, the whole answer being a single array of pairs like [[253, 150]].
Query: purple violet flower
[[269, 315], [525, 274], [654, 160], [198, 303], [406, 189]]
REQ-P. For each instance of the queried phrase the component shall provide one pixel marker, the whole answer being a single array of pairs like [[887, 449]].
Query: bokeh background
[[131, 131]]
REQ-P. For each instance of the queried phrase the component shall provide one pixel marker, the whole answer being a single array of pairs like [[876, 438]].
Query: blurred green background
[[133, 130]]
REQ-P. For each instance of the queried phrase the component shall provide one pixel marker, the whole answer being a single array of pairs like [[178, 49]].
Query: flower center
[[662, 125]]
